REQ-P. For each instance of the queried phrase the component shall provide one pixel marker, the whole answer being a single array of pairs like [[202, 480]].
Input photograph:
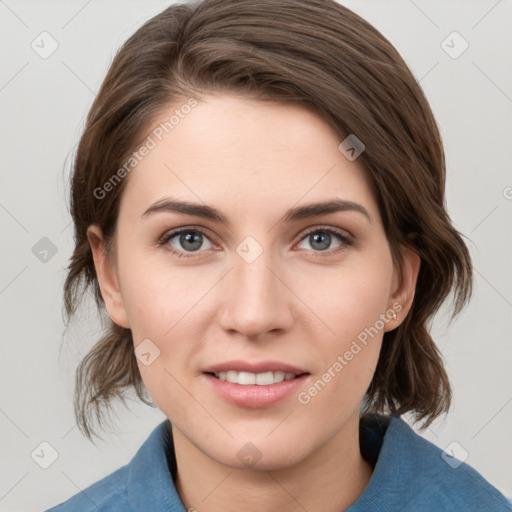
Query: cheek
[[347, 356], [155, 295], [349, 299], [351, 304]]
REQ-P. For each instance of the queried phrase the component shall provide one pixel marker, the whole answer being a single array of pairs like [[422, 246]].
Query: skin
[[295, 303]]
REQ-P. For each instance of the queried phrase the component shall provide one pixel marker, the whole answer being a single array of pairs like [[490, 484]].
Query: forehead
[[247, 153]]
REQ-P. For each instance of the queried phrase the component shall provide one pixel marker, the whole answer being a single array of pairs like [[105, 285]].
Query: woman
[[258, 201]]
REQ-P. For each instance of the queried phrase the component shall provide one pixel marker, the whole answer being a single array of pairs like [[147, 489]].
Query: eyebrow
[[293, 214]]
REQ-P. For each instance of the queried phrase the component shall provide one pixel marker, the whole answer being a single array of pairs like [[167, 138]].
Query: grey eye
[[188, 240], [321, 240]]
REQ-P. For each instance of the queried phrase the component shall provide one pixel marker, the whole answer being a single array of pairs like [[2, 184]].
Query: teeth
[[260, 379]]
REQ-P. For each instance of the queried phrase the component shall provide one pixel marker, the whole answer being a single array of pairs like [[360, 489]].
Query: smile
[[259, 379]]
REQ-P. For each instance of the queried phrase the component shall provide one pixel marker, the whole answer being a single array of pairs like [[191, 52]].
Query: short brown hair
[[322, 56]]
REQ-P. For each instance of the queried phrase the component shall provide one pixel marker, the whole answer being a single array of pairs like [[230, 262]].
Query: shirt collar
[[150, 483]]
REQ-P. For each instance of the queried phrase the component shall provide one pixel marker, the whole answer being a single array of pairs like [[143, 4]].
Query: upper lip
[[254, 367]]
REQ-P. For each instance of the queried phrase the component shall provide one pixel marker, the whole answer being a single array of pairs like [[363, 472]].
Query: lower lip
[[254, 396]]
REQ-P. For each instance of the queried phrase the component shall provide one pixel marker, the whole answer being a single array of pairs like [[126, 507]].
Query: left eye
[[321, 239]]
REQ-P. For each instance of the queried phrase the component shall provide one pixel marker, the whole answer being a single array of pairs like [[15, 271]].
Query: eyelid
[[343, 233], [176, 231]]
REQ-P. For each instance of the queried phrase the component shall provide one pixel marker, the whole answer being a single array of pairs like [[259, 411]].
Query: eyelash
[[345, 240]]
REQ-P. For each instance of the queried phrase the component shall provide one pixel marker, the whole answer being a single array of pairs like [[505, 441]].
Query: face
[[263, 287]]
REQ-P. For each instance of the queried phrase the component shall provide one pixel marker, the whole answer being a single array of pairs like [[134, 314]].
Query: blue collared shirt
[[410, 475]]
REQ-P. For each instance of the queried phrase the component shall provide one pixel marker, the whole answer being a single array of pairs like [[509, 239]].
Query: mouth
[[251, 379], [255, 385]]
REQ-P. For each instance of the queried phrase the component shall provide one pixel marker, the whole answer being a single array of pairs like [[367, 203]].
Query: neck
[[328, 480]]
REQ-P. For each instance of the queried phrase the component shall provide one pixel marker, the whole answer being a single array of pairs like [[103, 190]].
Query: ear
[[404, 287], [107, 278]]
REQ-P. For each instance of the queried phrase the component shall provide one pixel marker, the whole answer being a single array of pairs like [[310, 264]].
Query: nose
[[256, 298]]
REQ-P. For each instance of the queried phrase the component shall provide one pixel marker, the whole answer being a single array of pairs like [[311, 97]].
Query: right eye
[[184, 241]]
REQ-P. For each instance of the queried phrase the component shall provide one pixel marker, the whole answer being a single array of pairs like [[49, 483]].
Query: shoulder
[[108, 495], [441, 481], [145, 483]]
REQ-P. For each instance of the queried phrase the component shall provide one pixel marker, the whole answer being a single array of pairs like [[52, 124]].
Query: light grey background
[[43, 107]]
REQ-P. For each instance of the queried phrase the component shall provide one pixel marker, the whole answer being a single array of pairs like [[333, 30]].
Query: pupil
[[191, 238], [317, 238]]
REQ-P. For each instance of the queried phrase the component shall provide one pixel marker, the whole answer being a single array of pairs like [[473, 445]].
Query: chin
[[270, 462], [261, 453]]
